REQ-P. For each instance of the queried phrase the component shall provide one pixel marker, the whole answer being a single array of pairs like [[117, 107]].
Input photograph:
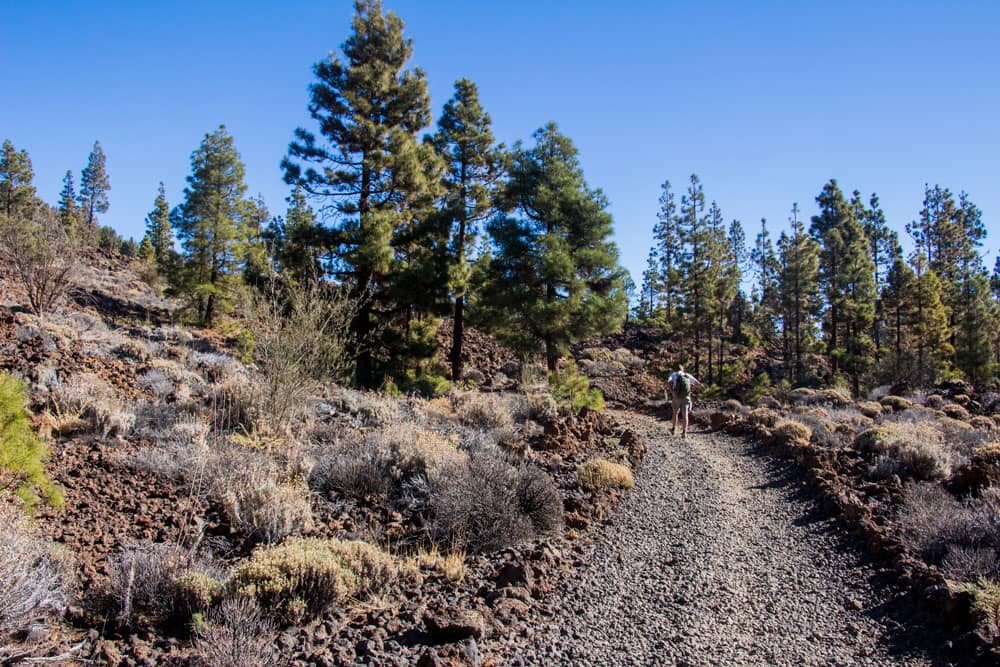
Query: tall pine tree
[[474, 165], [554, 278], [68, 214], [368, 167], [94, 188], [158, 229], [17, 194], [209, 223]]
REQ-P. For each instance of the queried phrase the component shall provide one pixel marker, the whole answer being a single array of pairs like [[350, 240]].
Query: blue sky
[[764, 101]]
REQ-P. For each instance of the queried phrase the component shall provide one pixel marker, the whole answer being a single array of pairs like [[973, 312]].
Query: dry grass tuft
[[599, 474]]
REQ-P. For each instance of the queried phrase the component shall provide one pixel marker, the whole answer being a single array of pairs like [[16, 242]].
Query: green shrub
[[574, 388], [195, 592], [597, 474], [304, 577], [22, 454]]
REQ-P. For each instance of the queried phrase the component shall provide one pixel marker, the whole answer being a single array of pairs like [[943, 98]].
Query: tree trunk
[[458, 331]]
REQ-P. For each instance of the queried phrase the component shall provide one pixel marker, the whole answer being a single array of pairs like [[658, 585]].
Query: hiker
[[680, 385]]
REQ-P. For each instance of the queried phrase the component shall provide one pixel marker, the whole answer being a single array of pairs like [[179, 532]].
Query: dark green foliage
[[554, 278], [572, 387], [474, 165], [17, 194], [22, 454], [847, 277], [297, 242], [368, 167], [94, 188], [69, 216], [209, 224], [159, 231]]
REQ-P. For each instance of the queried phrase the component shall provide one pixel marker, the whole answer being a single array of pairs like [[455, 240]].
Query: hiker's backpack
[[682, 385]]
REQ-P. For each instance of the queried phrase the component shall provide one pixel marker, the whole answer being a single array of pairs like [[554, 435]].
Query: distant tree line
[[390, 217], [832, 303]]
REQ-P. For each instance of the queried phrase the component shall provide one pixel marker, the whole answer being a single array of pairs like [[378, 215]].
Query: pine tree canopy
[[554, 278]]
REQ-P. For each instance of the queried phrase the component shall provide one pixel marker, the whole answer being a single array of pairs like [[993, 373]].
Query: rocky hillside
[[372, 528]]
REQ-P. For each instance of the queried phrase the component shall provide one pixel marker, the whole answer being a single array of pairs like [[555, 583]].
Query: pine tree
[[208, 222], [68, 215], [554, 278], [847, 277], [474, 164], [256, 263], [368, 166], [94, 188], [297, 242], [651, 286], [695, 237], [158, 229], [929, 332], [668, 250], [798, 294], [17, 194], [767, 268], [898, 310]]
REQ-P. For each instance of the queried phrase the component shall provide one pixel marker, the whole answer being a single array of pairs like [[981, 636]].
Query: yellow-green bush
[[195, 592], [22, 454], [896, 403], [573, 387], [597, 474], [792, 432], [305, 576]]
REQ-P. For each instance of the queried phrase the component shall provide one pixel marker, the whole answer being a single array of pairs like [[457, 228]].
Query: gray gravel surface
[[718, 557]]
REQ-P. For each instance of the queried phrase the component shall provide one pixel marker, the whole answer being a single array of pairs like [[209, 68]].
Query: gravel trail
[[717, 558]]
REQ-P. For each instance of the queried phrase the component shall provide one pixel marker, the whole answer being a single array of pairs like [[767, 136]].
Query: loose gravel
[[718, 557]]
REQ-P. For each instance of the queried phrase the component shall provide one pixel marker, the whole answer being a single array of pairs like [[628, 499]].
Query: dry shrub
[[237, 635], [236, 406], [934, 401], [215, 367], [539, 406], [956, 411], [300, 339], [482, 410], [870, 409], [599, 474], [485, 503], [801, 396], [792, 432], [195, 592], [962, 563], [450, 563], [32, 580], [934, 523], [143, 579], [982, 423], [357, 468], [157, 383], [267, 511], [895, 403], [763, 417], [414, 450], [304, 577], [41, 256], [85, 400], [925, 459]]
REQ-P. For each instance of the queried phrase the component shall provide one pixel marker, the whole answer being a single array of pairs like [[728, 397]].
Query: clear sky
[[765, 101]]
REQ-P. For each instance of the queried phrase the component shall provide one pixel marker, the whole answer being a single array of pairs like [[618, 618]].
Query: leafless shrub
[[480, 410], [268, 511], [42, 257], [214, 366], [970, 564], [86, 397], [933, 521], [356, 468], [821, 431], [157, 383], [487, 504], [538, 406], [300, 336], [238, 634], [31, 582], [160, 580], [142, 579]]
